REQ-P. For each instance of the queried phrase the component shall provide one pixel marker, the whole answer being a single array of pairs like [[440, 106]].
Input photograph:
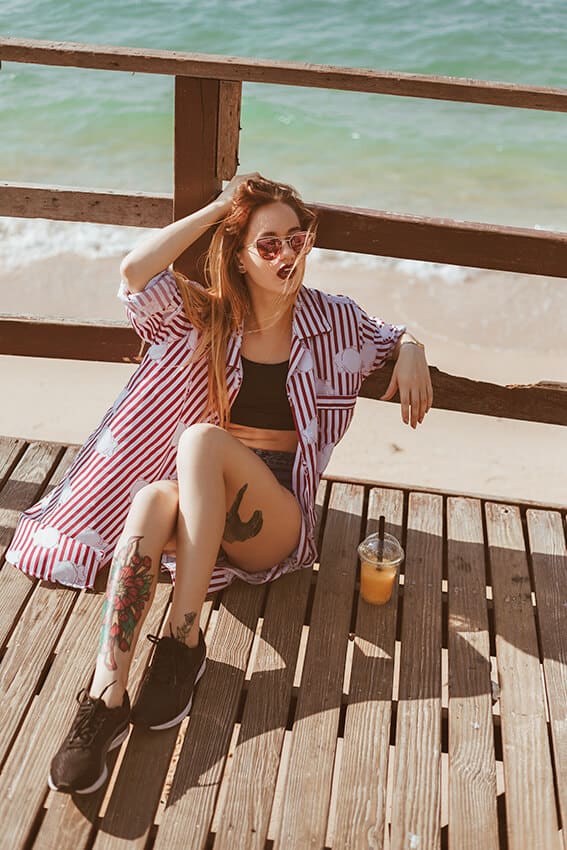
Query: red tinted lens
[[269, 248], [298, 240]]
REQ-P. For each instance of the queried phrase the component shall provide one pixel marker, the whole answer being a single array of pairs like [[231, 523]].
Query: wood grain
[[196, 140], [472, 768], [191, 802], [248, 795], [314, 734], [230, 96], [549, 561], [361, 794], [531, 817], [416, 812], [341, 228], [142, 60]]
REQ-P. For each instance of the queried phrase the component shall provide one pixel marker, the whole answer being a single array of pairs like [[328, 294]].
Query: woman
[[218, 443]]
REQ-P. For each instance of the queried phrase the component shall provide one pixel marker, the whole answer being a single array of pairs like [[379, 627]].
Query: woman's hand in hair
[[411, 377], [227, 194]]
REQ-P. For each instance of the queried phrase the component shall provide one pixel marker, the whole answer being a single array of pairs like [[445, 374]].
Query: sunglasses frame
[[281, 240]]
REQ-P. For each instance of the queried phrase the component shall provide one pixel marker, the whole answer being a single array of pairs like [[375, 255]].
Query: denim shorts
[[281, 464]]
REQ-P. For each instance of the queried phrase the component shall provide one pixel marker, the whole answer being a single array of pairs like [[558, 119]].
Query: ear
[[239, 263]]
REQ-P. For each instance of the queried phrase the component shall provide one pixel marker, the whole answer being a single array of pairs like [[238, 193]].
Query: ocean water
[[108, 130]]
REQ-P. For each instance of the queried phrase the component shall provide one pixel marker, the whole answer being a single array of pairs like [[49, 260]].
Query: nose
[[287, 252]]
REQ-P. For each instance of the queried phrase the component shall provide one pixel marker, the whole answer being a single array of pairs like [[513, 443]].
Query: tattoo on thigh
[[182, 632], [128, 590], [237, 530]]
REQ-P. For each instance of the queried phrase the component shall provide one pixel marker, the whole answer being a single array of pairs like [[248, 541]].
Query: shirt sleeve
[[157, 311], [378, 339]]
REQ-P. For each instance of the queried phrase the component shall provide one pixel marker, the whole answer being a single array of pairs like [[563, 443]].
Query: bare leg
[[226, 494], [131, 585]]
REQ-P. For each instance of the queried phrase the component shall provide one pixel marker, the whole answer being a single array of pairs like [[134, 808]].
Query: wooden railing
[[208, 96]]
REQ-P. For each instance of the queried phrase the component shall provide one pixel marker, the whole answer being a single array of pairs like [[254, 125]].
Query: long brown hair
[[219, 309]]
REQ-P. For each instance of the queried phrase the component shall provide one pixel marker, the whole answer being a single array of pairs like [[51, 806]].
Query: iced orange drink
[[379, 562]]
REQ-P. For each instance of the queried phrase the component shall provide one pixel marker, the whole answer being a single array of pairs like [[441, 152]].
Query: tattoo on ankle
[[237, 530], [182, 632], [128, 590]]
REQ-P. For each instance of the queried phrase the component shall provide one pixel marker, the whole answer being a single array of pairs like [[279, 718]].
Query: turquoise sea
[[101, 129]]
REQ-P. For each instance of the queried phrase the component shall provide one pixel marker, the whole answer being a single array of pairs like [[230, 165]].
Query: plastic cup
[[379, 563]]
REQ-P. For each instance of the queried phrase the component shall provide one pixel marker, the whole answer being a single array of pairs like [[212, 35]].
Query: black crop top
[[262, 400]]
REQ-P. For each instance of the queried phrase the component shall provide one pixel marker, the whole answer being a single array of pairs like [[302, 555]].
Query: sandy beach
[[495, 326]]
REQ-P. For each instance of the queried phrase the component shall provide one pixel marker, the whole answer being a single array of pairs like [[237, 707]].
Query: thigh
[[263, 517], [255, 498]]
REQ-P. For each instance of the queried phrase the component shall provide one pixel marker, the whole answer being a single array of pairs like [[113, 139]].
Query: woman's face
[[278, 220]]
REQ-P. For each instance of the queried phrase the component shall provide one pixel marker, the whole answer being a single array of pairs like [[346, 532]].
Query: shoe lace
[[89, 720], [163, 667]]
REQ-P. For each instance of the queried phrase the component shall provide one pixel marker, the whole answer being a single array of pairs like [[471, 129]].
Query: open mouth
[[285, 272]]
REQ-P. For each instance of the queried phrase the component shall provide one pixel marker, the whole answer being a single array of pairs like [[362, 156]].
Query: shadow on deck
[[435, 721]]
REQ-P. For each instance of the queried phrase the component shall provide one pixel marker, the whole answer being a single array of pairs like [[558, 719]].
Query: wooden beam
[[436, 240], [545, 402], [195, 160], [230, 97], [102, 207], [176, 63], [27, 337]]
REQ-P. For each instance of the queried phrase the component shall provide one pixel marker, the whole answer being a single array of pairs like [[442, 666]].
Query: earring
[[240, 268]]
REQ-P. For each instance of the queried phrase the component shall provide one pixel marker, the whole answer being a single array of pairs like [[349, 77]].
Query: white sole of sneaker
[[103, 776], [187, 708]]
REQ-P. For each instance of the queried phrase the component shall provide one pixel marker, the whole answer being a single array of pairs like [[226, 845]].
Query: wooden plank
[[117, 343], [315, 727], [341, 228], [197, 104], [28, 652], [248, 794], [549, 560], [11, 449], [535, 403], [530, 800], [473, 821], [66, 825], [23, 782], [132, 808], [94, 205], [142, 60], [361, 794], [416, 806], [436, 240], [230, 96], [26, 483], [191, 802]]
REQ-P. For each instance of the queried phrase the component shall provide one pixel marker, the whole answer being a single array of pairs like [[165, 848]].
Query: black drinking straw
[[381, 524]]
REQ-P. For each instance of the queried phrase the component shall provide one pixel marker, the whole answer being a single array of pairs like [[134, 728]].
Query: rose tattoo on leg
[[128, 590]]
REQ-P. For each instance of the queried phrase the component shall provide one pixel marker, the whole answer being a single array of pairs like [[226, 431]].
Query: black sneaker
[[79, 766], [166, 693]]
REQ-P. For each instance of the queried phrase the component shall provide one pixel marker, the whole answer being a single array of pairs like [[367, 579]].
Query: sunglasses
[[270, 247]]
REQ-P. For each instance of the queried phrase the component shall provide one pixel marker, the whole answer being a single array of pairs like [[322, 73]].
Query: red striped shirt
[[69, 535]]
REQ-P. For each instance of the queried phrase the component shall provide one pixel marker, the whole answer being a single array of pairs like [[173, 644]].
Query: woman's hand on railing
[[411, 378]]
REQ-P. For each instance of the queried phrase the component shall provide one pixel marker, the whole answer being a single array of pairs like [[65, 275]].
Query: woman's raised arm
[[158, 251]]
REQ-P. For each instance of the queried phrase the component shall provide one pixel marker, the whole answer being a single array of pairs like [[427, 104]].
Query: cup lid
[[387, 552]]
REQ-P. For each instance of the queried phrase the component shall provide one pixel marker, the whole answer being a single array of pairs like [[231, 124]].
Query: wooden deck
[[438, 720]]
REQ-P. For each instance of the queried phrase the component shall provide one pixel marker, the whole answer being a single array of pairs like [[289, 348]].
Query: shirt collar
[[308, 316], [309, 319]]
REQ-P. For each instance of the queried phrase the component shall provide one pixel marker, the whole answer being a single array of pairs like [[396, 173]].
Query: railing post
[[207, 114]]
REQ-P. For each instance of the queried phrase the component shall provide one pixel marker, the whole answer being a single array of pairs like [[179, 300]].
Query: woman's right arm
[[159, 250]]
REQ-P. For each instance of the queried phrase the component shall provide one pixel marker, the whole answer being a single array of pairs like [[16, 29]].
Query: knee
[[159, 494], [202, 438]]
